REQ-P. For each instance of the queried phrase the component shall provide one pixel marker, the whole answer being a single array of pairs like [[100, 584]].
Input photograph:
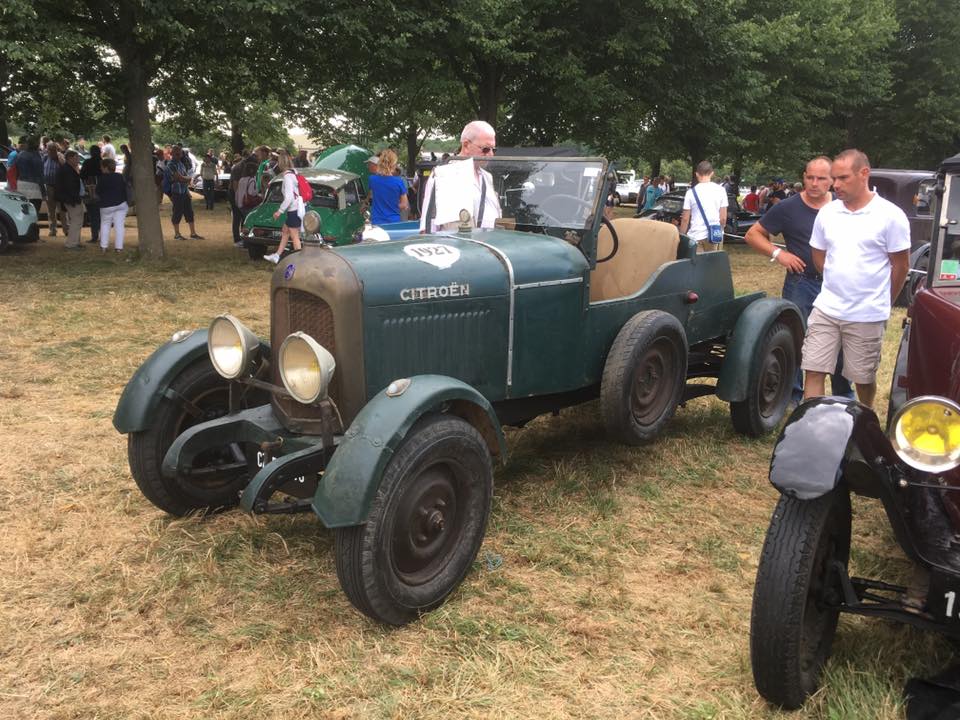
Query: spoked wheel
[[218, 475], [643, 376], [797, 596], [769, 388], [425, 525]]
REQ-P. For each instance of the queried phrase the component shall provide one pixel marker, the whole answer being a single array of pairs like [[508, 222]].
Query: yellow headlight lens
[[233, 347], [306, 368], [926, 434]]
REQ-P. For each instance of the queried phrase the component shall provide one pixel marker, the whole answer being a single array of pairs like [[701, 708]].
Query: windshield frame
[[589, 230], [942, 234]]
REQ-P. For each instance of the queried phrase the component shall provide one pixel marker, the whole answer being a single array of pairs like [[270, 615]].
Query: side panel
[[145, 389], [934, 352], [464, 339], [351, 479], [547, 343], [742, 356]]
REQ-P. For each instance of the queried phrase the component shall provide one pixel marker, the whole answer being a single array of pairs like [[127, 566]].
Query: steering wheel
[[571, 198], [616, 240]]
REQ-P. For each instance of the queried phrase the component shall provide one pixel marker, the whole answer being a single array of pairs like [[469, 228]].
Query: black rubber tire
[[256, 252], [643, 376], [796, 596], [6, 237], [200, 384], [769, 389], [441, 472]]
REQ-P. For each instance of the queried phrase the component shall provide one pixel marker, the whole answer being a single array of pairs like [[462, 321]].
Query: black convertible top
[[951, 164], [560, 151]]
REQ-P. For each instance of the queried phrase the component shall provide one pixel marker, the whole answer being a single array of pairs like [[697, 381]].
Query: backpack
[[303, 187], [250, 199]]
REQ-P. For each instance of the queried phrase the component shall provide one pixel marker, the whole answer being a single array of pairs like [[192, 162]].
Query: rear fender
[[742, 357], [350, 481], [146, 388]]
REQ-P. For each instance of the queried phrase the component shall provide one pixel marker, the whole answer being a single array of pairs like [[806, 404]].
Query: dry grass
[[614, 582]]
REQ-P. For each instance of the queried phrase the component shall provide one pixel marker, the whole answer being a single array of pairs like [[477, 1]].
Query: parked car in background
[[18, 220], [831, 447], [669, 208], [337, 198], [627, 188]]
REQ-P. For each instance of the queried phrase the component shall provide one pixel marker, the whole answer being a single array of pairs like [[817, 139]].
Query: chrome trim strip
[[548, 283], [513, 289]]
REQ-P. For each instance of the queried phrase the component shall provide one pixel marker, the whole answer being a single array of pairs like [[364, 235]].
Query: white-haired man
[[478, 139]]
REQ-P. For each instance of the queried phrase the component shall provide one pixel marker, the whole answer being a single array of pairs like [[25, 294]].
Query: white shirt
[[108, 151], [712, 197], [291, 194], [491, 204], [856, 272]]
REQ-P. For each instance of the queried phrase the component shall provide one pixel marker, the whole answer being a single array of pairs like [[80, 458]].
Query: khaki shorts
[[861, 343], [705, 246]]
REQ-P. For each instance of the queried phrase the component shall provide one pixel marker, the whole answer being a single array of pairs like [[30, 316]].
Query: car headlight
[[306, 368], [234, 348], [925, 433]]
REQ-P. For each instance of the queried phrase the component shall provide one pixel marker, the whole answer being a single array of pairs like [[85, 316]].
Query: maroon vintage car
[[831, 447]]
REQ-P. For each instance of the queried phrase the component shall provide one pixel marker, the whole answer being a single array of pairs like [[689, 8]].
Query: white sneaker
[[272, 257]]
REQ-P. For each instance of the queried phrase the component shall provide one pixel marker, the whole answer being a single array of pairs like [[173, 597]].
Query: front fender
[[351, 479], [812, 451], [742, 358], [146, 388]]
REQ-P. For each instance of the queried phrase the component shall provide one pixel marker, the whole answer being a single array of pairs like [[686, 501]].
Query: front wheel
[[256, 252], [770, 386], [218, 475], [797, 595], [425, 525]]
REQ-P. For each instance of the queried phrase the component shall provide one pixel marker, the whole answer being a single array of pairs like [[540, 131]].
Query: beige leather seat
[[645, 245]]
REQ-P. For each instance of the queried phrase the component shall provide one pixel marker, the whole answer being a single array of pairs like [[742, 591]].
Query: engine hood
[[450, 265]]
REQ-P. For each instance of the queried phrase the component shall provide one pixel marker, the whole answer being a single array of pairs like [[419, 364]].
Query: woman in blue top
[[388, 191]]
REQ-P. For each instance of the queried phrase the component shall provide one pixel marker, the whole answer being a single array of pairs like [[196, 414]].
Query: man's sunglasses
[[485, 149]]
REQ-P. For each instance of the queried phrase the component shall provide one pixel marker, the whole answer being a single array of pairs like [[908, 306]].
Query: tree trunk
[[488, 94], [655, 168], [136, 94], [236, 138], [412, 136]]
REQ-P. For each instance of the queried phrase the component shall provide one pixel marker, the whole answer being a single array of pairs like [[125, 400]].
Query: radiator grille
[[295, 310]]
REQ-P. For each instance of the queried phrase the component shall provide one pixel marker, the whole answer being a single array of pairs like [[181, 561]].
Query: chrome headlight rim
[[917, 458], [233, 348], [312, 222], [318, 378]]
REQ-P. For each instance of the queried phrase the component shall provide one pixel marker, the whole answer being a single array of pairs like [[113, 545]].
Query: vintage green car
[[379, 399], [337, 199]]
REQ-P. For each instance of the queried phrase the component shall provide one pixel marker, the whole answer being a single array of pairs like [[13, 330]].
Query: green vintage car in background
[[337, 199], [379, 399]]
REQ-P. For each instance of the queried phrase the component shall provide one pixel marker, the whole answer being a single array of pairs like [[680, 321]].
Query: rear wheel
[[643, 376], [769, 388], [425, 525], [218, 476], [797, 595]]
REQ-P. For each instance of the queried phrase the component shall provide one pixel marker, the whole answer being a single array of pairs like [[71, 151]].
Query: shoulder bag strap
[[702, 213], [483, 199]]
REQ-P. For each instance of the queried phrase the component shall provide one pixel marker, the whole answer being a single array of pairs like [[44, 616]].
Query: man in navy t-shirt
[[793, 218]]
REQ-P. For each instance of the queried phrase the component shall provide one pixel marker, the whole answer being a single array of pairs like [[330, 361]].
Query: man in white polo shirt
[[861, 244]]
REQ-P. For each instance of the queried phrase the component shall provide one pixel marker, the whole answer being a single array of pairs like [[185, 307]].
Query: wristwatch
[[775, 253]]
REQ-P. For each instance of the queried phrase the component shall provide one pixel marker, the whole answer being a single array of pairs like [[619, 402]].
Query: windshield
[[625, 177], [547, 194], [323, 195], [946, 255]]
